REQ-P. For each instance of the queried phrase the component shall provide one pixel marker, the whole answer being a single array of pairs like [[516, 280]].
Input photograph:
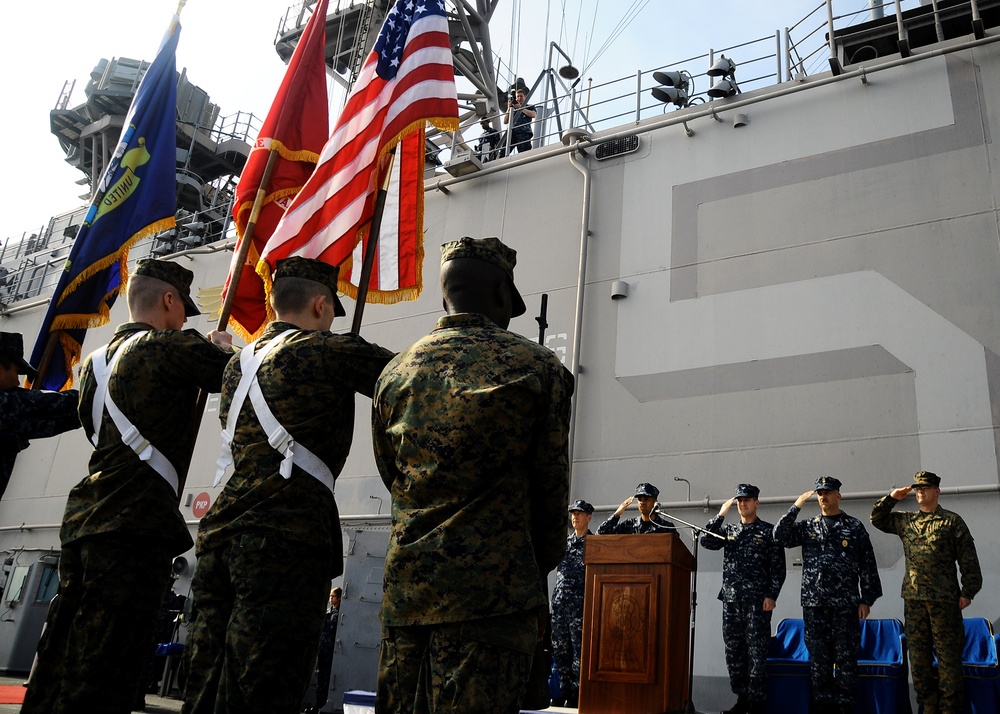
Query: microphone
[[655, 512]]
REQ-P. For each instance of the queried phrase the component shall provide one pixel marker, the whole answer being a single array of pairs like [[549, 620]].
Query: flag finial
[[180, 5]]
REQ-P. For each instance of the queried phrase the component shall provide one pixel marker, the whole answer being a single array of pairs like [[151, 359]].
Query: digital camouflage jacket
[[932, 544], [470, 427]]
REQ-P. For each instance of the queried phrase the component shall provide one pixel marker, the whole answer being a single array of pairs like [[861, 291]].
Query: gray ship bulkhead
[[814, 293]]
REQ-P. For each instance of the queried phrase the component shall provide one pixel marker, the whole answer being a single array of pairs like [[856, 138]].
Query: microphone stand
[[695, 530]]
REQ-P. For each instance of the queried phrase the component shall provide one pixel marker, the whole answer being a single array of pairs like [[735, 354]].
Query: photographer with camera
[[520, 133]]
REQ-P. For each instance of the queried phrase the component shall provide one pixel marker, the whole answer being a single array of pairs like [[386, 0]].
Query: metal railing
[[793, 52]]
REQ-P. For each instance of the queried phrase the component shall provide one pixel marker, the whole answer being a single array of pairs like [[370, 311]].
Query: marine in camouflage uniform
[[270, 544], [934, 539], [753, 571], [648, 521], [567, 605], [26, 414], [840, 582], [470, 427], [122, 526]]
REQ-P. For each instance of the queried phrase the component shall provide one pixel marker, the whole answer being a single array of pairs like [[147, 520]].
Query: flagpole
[[371, 247], [43, 365], [240, 260], [244, 250], [50, 346]]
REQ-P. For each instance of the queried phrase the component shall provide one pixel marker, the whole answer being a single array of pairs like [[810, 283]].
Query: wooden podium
[[636, 624]]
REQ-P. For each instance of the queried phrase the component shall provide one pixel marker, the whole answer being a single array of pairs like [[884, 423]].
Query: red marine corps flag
[[289, 143], [407, 81]]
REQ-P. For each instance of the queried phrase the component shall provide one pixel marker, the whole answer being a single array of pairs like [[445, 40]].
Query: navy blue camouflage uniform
[[567, 610], [26, 414], [753, 568], [839, 573], [631, 526], [520, 134]]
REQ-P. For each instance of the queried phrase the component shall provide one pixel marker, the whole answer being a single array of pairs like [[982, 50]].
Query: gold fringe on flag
[[71, 348], [384, 297], [391, 297]]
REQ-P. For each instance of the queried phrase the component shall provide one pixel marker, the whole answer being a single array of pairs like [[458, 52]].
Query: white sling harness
[[277, 435], [129, 432]]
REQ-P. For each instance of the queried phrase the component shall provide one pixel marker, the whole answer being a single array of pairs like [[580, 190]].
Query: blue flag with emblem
[[134, 199]]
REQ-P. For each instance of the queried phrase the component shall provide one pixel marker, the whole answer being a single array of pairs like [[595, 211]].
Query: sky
[[227, 48]]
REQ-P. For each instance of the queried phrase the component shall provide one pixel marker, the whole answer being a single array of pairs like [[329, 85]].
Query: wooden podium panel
[[636, 624], [624, 649]]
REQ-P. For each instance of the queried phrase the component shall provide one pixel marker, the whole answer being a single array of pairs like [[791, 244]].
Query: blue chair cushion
[[979, 656], [881, 643], [788, 646]]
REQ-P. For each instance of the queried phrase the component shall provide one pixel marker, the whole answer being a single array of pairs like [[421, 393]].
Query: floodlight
[[724, 67], [670, 95], [162, 249], [723, 88], [672, 79], [568, 71]]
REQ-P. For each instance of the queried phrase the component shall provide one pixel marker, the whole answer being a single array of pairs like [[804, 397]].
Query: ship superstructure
[[793, 277]]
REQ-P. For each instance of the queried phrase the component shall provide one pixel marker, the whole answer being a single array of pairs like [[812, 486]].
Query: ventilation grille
[[617, 147]]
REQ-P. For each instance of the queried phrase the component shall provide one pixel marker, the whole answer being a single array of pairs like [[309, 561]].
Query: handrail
[[795, 57], [689, 114]]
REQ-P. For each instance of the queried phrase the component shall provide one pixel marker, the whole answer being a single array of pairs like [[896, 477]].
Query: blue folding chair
[[980, 668], [883, 687], [788, 669]]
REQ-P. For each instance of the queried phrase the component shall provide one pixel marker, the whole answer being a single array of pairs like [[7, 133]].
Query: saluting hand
[[625, 504], [726, 506], [900, 493], [801, 500]]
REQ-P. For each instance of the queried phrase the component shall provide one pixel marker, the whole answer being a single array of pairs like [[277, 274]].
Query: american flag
[[407, 80]]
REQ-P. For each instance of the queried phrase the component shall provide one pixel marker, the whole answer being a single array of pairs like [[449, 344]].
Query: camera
[[512, 98]]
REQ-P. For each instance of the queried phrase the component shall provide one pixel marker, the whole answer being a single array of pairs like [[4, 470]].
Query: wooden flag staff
[[239, 262], [371, 247]]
